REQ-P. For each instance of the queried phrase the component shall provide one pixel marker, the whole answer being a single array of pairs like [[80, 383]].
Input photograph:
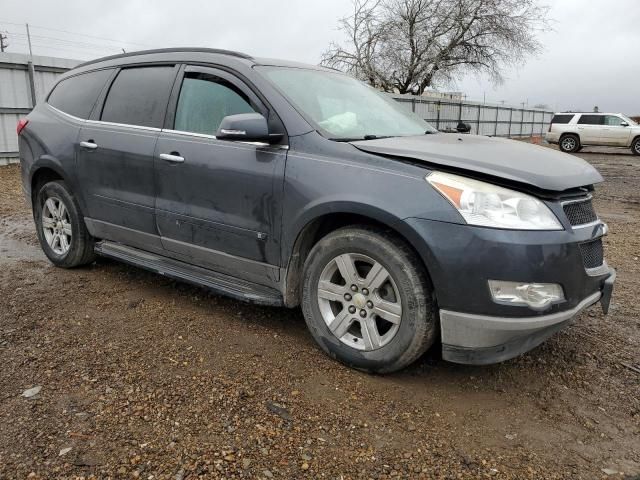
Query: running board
[[169, 267]]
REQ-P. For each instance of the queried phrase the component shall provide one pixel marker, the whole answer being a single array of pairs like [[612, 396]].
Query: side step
[[217, 282]]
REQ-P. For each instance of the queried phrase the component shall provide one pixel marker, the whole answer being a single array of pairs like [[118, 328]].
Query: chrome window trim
[[100, 122], [213, 137]]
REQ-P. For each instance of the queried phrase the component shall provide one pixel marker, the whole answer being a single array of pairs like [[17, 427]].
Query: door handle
[[89, 145], [172, 157]]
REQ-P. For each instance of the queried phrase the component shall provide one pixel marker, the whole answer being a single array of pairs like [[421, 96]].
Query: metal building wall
[[15, 93], [484, 119]]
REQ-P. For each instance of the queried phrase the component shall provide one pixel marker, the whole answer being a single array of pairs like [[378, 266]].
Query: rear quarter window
[[77, 95], [139, 96], [561, 118]]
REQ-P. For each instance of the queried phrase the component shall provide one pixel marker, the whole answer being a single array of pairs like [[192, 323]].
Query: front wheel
[[570, 143], [367, 301], [635, 146], [60, 227]]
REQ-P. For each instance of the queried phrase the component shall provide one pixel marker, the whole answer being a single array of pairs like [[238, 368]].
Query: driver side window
[[612, 121], [205, 100]]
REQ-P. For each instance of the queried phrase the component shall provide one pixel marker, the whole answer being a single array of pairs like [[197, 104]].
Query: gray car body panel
[[519, 162], [239, 209]]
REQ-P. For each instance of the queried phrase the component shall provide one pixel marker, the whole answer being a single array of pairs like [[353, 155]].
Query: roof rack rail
[[219, 51]]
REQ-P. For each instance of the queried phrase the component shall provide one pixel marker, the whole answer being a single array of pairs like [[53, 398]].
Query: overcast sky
[[591, 57]]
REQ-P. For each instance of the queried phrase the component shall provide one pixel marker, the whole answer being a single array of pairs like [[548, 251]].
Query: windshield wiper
[[364, 137]]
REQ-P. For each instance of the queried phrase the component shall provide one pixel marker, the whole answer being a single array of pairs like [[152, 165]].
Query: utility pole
[[3, 45], [29, 39], [31, 71]]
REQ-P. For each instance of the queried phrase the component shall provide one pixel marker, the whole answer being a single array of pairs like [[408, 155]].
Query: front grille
[[580, 212], [592, 253]]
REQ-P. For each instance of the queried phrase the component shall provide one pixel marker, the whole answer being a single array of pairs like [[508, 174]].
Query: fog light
[[538, 296]]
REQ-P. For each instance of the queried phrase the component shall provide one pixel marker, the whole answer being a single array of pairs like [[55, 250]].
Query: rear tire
[[570, 143], [635, 146], [60, 226], [380, 319]]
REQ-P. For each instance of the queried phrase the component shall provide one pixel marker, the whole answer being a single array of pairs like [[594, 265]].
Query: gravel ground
[[148, 378]]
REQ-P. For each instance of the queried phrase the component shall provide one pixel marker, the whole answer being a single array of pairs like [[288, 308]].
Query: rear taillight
[[21, 124]]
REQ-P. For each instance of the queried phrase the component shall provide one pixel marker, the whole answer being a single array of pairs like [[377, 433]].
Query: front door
[[613, 133], [116, 156], [218, 202]]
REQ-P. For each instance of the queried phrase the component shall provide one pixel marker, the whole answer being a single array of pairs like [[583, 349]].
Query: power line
[[81, 34]]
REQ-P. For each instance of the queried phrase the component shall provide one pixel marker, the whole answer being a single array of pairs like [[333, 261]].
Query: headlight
[[488, 205]]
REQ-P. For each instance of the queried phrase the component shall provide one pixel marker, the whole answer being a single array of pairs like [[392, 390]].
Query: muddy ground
[[148, 378]]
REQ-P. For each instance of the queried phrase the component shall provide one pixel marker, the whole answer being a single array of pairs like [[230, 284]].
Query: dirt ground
[[148, 378]]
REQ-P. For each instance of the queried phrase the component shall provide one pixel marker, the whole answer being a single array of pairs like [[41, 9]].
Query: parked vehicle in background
[[288, 184], [572, 131]]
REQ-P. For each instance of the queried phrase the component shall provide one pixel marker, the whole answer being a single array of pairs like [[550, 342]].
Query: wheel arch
[[324, 221], [46, 169]]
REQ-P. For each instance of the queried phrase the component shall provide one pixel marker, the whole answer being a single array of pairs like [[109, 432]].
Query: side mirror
[[244, 127], [624, 124]]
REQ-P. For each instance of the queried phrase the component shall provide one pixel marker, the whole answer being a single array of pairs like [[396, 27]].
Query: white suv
[[572, 131]]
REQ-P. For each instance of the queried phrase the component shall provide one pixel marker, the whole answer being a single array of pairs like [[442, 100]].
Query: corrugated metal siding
[[15, 92], [494, 120]]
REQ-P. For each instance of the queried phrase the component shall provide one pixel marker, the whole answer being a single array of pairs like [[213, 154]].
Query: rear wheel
[[570, 143], [60, 227], [366, 300], [635, 146]]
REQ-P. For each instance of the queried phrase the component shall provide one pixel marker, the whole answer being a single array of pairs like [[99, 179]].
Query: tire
[[635, 146], [569, 143], [401, 321], [74, 244]]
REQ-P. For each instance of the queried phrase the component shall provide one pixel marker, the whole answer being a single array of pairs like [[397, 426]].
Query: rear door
[[613, 133], [590, 129], [115, 158], [218, 202]]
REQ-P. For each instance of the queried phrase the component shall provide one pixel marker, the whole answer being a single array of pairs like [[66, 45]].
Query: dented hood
[[512, 160]]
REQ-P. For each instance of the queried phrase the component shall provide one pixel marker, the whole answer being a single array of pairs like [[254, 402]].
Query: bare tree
[[409, 45]]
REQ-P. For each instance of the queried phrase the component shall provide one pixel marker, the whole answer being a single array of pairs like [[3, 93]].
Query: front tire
[[570, 143], [61, 230], [367, 301], [635, 146]]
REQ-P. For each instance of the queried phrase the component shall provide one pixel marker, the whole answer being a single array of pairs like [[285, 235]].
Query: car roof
[[587, 113], [182, 54]]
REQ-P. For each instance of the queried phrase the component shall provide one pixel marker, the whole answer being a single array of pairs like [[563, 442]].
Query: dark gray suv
[[288, 184]]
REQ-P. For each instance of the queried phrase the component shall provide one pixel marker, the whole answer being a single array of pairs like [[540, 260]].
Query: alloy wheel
[[56, 225], [569, 143], [359, 301]]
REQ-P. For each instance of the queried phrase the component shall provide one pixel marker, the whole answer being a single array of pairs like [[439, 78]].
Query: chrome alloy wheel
[[569, 143], [637, 147], [56, 225], [359, 301]]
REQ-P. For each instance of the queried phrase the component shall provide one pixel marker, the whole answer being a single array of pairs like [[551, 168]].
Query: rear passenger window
[[591, 120], [205, 100], [139, 96], [561, 118], [77, 95]]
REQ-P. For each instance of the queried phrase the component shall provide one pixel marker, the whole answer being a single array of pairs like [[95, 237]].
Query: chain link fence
[[484, 119]]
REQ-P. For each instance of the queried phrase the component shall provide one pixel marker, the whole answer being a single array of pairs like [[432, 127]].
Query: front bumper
[[481, 339], [461, 259]]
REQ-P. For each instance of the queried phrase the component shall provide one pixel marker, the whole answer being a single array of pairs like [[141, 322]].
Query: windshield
[[343, 108], [628, 120]]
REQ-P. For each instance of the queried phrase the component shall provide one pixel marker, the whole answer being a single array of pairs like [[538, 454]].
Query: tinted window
[[138, 96], [205, 100], [612, 121], [561, 118], [591, 119], [77, 95]]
